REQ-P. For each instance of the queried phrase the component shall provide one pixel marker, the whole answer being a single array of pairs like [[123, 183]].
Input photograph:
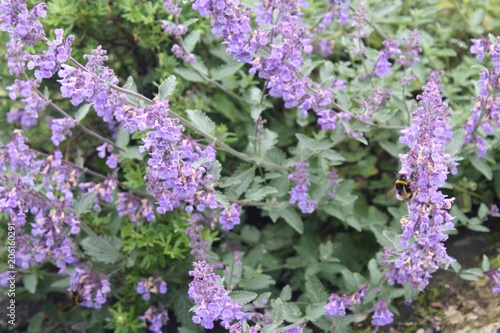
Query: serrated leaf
[[310, 66], [215, 170], [200, 67], [189, 74], [253, 280], [311, 144], [167, 87], [260, 193], [229, 181], [191, 40], [226, 70], [201, 121], [286, 293], [30, 282], [130, 84], [104, 249], [246, 176], [84, 203], [315, 290], [293, 219], [291, 312], [82, 112], [221, 198], [315, 311], [243, 297], [325, 251]]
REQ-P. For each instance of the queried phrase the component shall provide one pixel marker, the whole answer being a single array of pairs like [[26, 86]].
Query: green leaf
[[258, 282], [130, 84], [191, 40], [82, 112], [455, 145], [250, 234], [84, 203], [201, 121], [485, 266], [375, 274], [286, 293], [200, 67], [215, 170], [226, 70], [246, 175], [35, 322], [122, 139], [260, 193], [30, 282], [443, 52], [343, 99], [478, 228], [483, 211], [293, 219], [242, 297], [60, 284], [229, 181], [167, 87], [310, 66], [314, 311], [325, 251], [99, 249], [221, 198], [189, 74], [315, 290], [131, 153], [482, 167]]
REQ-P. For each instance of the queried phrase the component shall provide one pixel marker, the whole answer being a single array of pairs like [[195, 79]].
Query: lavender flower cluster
[[91, 286], [210, 297], [300, 178], [151, 285], [426, 167], [157, 317], [486, 111]]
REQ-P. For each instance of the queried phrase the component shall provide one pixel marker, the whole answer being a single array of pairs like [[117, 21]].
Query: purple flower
[[425, 167], [91, 286], [156, 317], [134, 208], [199, 246], [494, 277], [381, 315], [61, 128], [22, 23], [103, 190], [301, 185], [210, 297], [50, 60], [337, 305], [34, 104], [151, 285], [231, 217], [486, 111]]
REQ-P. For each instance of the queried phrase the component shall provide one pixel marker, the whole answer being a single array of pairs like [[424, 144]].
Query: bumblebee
[[75, 297], [403, 188]]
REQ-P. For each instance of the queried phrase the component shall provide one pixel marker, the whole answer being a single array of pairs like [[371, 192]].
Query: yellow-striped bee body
[[403, 188], [75, 297]]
